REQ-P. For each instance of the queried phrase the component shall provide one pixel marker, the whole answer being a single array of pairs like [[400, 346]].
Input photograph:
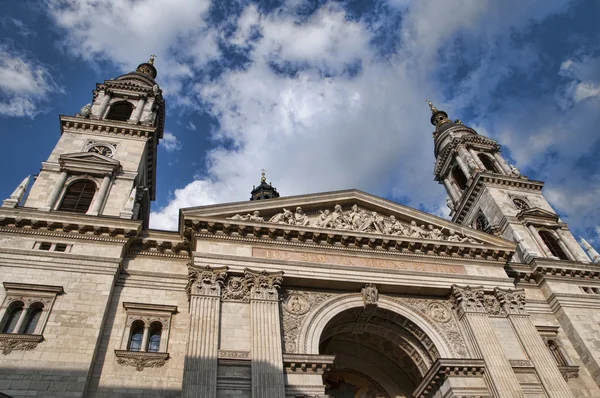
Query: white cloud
[[322, 127], [170, 142], [25, 84], [191, 126]]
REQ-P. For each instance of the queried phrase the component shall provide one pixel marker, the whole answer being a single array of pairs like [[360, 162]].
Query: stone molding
[[141, 360], [10, 342], [88, 163], [263, 285], [518, 363], [468, 299], [28, 288], [512, 301], [444, 368], [94, 126], [569, 372], [160, 248], [307, 363], [205, 281], [340, 240], [233, 354]]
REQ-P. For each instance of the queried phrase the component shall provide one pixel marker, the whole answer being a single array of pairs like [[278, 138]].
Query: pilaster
[[201, 360], [469, 303], [267, 356], [513, 303]]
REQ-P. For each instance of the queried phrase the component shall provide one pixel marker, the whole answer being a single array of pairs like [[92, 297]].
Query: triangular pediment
[[88, 163], [537, 213], [350, 212]]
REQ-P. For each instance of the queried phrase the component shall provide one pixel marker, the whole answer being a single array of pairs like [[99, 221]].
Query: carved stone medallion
[[439, 313], [296, 304]]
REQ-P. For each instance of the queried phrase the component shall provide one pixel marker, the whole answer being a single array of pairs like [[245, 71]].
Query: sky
[[324, 95]]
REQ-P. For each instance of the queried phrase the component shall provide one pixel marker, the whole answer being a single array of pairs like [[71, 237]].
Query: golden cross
[[151, 62]]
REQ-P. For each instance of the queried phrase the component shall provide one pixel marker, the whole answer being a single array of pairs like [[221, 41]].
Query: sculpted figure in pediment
[[435, 233], [338, 219], [395, 227], [300, 217], [324, 219], [287, 217], [255, 216]]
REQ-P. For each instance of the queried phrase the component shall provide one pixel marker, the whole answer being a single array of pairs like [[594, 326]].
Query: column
[[144, 346], [513, 303], [21, 321], [51, 201], [471, 311], [201, 359], [502, 163], [267, 356], [138, 110], [104, 103], [477, 160], [99, 197], [463, 167], [540, 242], [455, 196], [576, 252]]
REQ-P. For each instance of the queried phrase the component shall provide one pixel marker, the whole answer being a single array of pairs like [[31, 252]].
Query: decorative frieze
[[205, 281], [10, 342], [141, 360], [232, 354], [263, 285]]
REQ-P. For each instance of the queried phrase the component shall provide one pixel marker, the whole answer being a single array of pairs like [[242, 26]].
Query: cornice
[[78, 124], [343, 240], [542, 269], [54, 290], [444, 368], [68, 225], [171, 309], [482, 179]]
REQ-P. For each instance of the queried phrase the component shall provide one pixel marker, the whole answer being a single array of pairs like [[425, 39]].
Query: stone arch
[[316, 321]]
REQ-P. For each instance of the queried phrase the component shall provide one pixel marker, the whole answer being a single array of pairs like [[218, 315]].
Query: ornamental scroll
[[358, 220]]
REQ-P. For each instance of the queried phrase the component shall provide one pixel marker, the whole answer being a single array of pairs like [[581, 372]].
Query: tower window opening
[[487, 162], [14, 314], [78, 197], [35, 313], [482, 223], [556, 353], [553, 245], [520, 204], [154, 337], [459, 177], [120, 111]]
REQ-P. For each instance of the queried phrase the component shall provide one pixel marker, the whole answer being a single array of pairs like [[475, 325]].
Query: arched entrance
[[379, 354]]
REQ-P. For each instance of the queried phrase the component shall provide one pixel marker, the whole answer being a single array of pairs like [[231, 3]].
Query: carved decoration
[[141, 360], [369, 294], [205, 281], [231, 354], [468, 299], [440, 315], [517, 363], [492, 306], [569, 372], [10, 342], [236, 289], [358, 220], [293, 315], [263, 285], [512, 301]]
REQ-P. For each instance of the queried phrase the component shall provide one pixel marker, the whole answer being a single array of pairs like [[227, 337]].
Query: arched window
[[12, 319], [120, 111], [78, 197], [33, 318], [154, 337], [136, 336], [459, 178], [553, 245], [556, 353], [487, 162], [482, 223]]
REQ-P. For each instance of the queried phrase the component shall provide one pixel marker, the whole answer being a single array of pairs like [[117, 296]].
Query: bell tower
[[487, 193], [104, 163]]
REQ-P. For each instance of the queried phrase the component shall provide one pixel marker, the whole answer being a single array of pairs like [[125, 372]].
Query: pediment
[[88, 163], [350, 212]]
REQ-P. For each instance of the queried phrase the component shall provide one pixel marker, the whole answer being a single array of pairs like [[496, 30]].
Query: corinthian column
[[267, 357], [469, 302], [200, 366], [513, 303]]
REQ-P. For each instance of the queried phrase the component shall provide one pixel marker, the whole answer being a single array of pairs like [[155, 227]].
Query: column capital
[[205, 281], [511, 300], [263, 285], [468, 299]]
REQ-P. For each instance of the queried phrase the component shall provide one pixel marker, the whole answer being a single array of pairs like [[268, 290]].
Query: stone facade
[[317, 295]]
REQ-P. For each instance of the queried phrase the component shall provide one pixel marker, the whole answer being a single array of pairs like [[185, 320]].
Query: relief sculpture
[[359, 220], [296, 304]]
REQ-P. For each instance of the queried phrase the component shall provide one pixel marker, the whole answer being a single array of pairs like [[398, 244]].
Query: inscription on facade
[[330, 259]]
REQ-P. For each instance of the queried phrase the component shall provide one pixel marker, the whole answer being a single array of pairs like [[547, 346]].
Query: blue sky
[[325, 95]]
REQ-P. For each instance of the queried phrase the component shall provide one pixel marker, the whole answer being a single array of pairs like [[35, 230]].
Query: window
[[45, 246], [60, 247], [120, 111], [24, 313], [481, 223], [520, 204], [553, 245], [459, 178], [487, 162], [78, 196], [145, 338]]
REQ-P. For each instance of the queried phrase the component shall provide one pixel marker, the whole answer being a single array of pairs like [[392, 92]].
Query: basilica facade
[[335, 294]]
